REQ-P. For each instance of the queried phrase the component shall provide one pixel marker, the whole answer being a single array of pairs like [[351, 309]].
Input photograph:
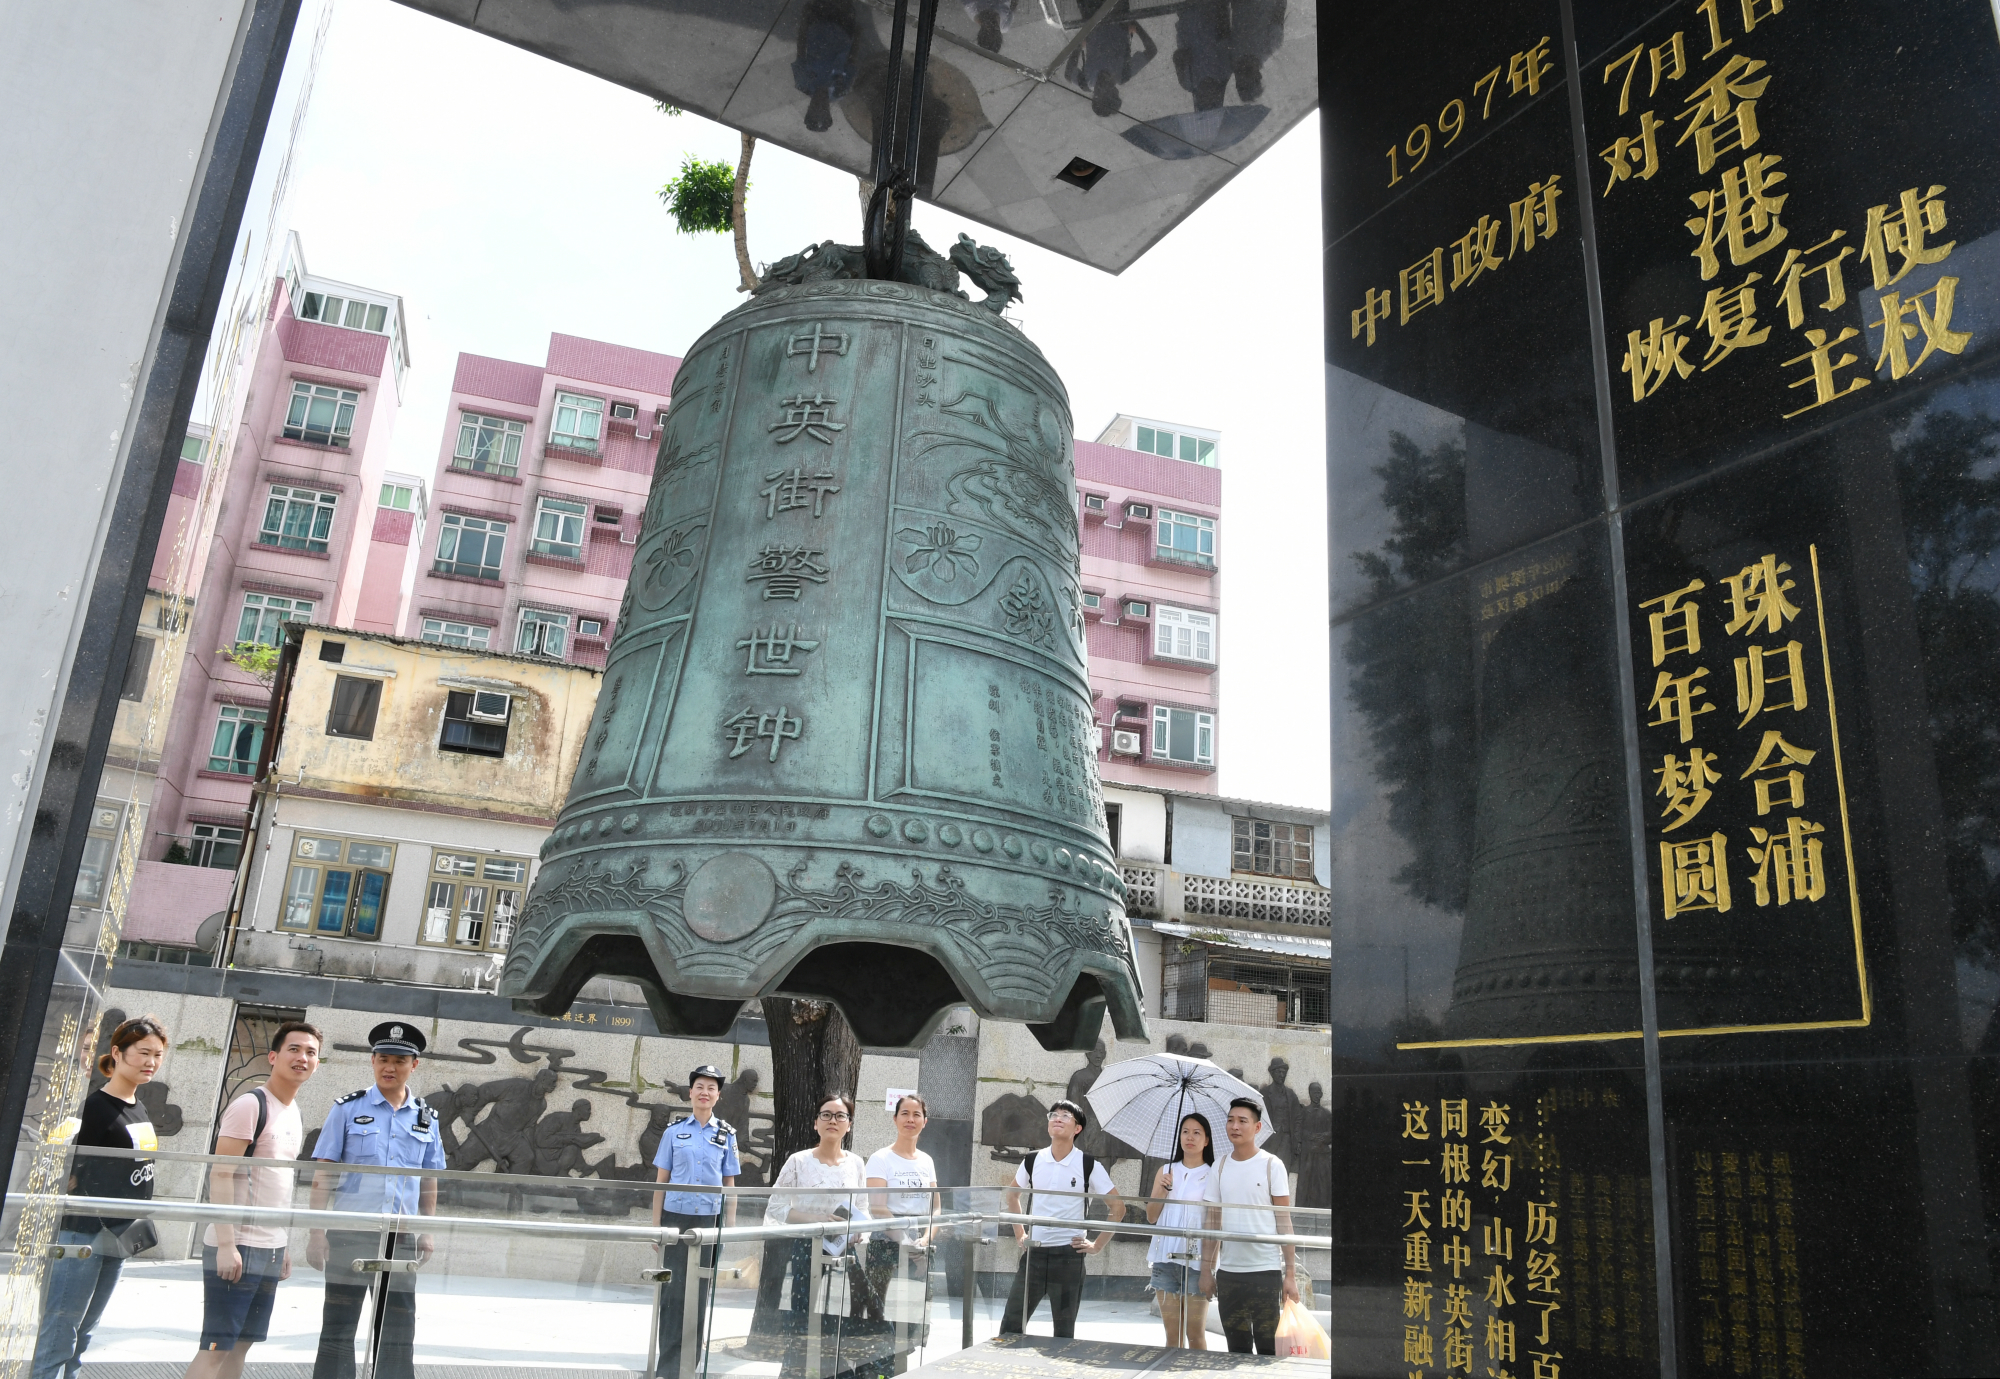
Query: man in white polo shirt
[[1244, 1277], [1052, 1263]]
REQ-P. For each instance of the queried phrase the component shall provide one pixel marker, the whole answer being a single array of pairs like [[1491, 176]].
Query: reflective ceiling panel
[[1170, 99]]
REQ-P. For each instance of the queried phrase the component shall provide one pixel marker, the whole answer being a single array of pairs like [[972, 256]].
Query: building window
[[239, 738], [1184, 634], [475, 723], [337, 887], [355, 704], [138, 667], [1183, 735], [1175, 445], [449, 633], [322, 415], [470, 546], [264, 614], [1184, 537], [215, 845], [194, 449], [337, 311], [474, 901], [1273, 849], [578, 422], [488, 445], [559, 528], [401, 497], [100, 853], [542, 633], [297, 519]]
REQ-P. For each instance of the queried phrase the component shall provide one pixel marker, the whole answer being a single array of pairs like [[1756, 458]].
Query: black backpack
[[1089, 1167]]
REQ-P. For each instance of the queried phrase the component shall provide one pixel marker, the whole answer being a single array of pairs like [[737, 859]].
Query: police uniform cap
[[396, 1036], [711, 1071]]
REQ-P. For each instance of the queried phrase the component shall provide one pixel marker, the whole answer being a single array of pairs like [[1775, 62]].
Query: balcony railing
[[1155, 892], [582, 448]]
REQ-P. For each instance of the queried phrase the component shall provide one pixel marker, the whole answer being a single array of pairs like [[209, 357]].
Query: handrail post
[[968, 1289]]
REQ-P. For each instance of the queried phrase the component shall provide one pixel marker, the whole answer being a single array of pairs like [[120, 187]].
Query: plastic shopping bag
[[1299, 1334]]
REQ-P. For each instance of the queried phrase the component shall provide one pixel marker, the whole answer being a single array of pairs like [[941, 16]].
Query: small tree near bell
[[707, 198]]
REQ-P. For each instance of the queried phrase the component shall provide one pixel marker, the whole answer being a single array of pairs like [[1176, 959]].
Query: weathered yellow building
[[408, 791]]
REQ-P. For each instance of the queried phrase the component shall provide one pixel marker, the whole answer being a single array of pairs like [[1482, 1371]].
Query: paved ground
[[474, 1326]]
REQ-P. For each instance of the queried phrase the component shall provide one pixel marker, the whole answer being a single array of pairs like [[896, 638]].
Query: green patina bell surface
[[844, 746]]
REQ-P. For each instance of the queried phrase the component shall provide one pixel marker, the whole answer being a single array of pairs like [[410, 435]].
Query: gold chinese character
[[1543, 1271], [1542, 1223], [1823, 365], [1694, 876], [1934, 323], [1794, 782], [1416, 1346], [1750, 15], [1456, 1166], [1722, 112], [1472, 254], [1649, 358], [1422, 285], [1499, 1336], [1729, 315], [1674, 696], [1534, 216], [1735, 216], [1793, 270], [1417, 1252], [1902, 234], [1791, 863], [1525, 70], [1457, 1255], [1375, 307], [1545, 1360], [1673, 619], [1685, 784], [1634, 155], [1499, 1239], [1547, 1307], [1416, 1120], [1753, 678], [1757, 597], [1500, 1287], [1457, 1350], [1452, 1117], [1417, 1298], [1456, 1212], [1419, 1203], [1457, 1305], [1673, 52], [1493, 1119]]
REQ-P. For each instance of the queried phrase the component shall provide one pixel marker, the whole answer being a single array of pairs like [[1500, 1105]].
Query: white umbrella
[[1141, 1101]]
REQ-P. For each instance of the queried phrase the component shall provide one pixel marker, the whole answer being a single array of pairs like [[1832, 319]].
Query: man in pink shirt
[[242, 1265]]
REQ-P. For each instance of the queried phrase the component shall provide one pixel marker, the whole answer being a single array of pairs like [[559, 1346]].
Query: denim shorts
[[1176, 1278], [239, 1310]]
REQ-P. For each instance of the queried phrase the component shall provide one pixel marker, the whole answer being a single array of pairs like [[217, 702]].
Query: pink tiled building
[[311, 525], [1150, 497], [541, 480]]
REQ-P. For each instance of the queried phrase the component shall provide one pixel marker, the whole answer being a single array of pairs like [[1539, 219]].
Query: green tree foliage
[[702, 197], [253, 658]]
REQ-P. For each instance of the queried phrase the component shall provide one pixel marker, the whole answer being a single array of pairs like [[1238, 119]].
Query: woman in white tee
[[905, 1182], [837, 1171], [1178, 1191]]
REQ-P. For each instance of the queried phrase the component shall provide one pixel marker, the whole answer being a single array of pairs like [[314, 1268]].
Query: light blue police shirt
[[698, 1154], [363, 1128]]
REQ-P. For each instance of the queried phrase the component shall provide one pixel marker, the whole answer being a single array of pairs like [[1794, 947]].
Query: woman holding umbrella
[[1175, 1200]]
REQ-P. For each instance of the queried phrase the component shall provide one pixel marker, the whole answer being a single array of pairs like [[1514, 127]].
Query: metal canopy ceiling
[[999, 126]]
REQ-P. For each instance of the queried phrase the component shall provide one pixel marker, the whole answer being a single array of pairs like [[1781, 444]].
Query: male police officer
[[388, 1125], [698, 1150]]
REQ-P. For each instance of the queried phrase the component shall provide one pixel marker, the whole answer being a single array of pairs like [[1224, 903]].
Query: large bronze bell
[[844, 746]]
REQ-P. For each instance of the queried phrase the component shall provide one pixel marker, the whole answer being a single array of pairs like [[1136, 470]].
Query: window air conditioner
[[1138, 510], [494, 708], [1125, 742], [624, 411]]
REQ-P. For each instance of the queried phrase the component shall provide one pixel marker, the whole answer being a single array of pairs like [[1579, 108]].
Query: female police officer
[[698, 1150], [387, 1125]]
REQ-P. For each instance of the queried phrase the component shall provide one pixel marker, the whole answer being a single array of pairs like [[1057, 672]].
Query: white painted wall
[[1142, 823]]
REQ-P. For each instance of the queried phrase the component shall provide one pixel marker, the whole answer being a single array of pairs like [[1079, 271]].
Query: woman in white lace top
[[839, 1172]]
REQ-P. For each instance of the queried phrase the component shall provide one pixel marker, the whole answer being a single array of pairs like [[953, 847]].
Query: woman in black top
[[112, 1118]]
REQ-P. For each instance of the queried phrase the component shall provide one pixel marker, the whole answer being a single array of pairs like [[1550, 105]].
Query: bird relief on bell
[[845, 742]]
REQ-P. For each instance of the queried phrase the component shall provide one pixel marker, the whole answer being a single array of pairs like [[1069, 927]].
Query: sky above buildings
[[505, 196]]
